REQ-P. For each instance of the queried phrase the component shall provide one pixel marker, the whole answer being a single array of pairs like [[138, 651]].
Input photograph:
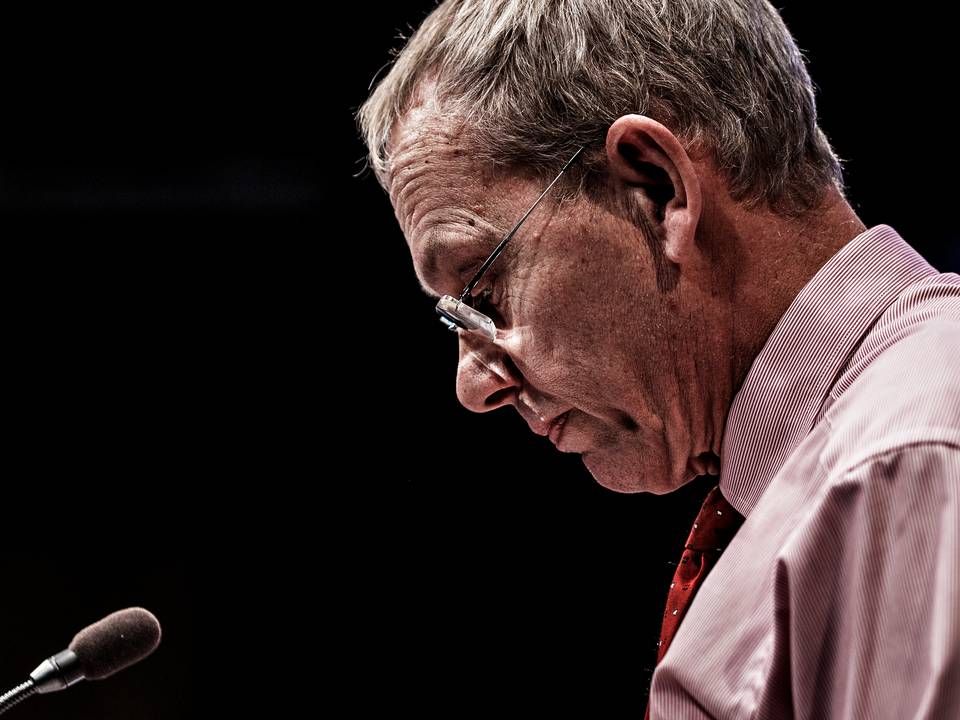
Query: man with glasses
[[631, 219]]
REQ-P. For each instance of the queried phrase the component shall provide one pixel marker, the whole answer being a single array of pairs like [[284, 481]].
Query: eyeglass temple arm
[[496, 251]]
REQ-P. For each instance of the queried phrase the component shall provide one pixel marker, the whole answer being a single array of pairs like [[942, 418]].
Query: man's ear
[[651, 164]]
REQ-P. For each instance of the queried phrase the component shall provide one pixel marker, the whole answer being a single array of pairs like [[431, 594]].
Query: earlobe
[[648, 159]]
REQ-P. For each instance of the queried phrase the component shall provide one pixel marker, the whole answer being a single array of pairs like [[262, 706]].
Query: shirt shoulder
[[901, 387]]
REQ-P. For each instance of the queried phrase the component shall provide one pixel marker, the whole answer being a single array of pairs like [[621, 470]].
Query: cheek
[[558, 357], [578, 320], [590, 330]]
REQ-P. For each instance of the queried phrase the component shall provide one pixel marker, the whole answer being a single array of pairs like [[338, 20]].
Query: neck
[[766, 261]]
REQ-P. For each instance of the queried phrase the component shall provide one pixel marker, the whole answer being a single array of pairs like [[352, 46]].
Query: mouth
[[556, 427]]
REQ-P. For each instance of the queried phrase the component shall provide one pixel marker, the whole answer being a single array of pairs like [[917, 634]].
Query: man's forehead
[[439, 198], [423, 132]]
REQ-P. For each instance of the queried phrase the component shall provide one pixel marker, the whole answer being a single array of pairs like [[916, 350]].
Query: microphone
[[96, 652]]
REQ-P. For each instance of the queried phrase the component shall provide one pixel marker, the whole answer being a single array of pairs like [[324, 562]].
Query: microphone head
[[118, 641]]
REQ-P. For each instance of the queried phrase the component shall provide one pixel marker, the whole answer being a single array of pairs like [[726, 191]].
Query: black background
[[226, 399]]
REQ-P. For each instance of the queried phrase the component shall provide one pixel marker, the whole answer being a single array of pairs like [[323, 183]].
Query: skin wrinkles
[[446, 230], [545, 360], [455, 242], [635, 308]]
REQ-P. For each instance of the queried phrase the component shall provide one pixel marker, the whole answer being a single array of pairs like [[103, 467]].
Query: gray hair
[[534, 79]]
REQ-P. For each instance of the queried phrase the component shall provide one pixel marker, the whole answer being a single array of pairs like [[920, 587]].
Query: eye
[[482, 300]]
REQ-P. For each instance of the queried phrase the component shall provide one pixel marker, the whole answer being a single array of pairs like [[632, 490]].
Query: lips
[[556, 427]]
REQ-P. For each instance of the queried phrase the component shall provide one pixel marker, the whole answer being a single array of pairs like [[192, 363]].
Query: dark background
[[227, 400]]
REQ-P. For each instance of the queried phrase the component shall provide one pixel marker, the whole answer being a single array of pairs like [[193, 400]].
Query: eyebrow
[[431, 257], [431, 262], [460, 271]]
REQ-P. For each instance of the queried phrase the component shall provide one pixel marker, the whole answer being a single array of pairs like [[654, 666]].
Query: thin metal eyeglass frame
[[502, 244]]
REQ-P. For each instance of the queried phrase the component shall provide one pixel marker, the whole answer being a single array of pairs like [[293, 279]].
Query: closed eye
[[482, 300]]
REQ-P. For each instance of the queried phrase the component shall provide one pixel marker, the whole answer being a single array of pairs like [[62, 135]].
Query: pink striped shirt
[[840, 595]]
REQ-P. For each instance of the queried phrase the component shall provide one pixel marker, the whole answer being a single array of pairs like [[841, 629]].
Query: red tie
[[716, 524]]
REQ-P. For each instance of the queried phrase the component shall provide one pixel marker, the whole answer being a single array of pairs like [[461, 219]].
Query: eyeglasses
[[457, 314]]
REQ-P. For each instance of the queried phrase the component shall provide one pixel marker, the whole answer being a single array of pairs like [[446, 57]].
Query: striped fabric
[[840, 595]]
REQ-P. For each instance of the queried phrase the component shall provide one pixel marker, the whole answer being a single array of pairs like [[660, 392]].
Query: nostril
[[496, 399]]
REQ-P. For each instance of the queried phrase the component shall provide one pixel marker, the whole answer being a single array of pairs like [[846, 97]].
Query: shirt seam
[[951, 440]]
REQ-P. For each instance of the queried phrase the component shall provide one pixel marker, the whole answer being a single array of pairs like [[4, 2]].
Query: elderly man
[[630, 217]]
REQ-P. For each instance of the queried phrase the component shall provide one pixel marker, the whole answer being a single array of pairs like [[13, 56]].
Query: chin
[[614, 471]]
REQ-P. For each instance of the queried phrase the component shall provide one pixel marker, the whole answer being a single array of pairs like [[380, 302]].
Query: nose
[[486, 377]]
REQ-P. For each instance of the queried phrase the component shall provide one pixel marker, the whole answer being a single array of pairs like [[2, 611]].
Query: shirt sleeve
[[872, 592]]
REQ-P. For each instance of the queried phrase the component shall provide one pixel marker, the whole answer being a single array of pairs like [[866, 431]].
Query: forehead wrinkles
[[411, 170], [421, 148], [434, 197]]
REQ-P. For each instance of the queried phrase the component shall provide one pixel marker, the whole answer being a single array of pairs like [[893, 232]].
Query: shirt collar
[[779, 401]]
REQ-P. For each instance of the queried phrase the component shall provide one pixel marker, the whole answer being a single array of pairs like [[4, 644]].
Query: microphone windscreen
[[118, 641]]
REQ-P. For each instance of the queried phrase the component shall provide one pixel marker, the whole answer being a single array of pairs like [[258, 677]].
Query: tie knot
[[716, 524]]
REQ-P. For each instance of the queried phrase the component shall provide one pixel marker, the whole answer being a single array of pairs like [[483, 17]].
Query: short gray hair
[[534, 79]]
